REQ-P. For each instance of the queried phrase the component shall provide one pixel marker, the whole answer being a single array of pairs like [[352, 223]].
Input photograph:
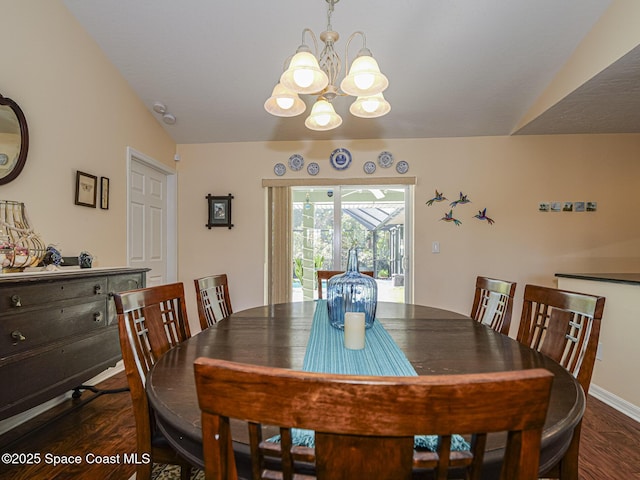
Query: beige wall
[[507, 175], [81, 116]]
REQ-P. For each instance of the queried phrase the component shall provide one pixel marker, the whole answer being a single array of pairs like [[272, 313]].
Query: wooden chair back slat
[[563, 325], [150, 322], [214, 302], [355, 416], [493, 303], [325, 275]]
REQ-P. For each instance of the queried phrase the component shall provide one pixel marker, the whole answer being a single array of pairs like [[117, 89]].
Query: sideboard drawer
[[57, 330], [23, 331], [121, 283], [23, 297], [32, 378]]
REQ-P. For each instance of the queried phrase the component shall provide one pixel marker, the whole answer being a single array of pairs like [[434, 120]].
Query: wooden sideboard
[[57, 330]]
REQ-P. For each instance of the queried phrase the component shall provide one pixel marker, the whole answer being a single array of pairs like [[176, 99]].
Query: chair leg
[[143, 471], [569, 462], [185, 473]]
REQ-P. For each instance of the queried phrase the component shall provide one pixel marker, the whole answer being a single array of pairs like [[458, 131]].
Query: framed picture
[[86, 189], [104, 193], [219, 211]]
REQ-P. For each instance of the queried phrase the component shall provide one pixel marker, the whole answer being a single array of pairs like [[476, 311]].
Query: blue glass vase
[[352, 292]]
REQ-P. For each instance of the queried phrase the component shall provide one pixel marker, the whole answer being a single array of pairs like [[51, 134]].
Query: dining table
[[435, 341]]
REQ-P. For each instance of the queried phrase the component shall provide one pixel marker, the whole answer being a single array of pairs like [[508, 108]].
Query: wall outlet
[[435, 247]]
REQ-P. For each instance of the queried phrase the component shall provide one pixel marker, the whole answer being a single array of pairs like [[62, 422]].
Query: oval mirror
[[14, 140]]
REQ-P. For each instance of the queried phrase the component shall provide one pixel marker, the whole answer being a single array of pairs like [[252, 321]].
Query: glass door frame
[[338, 240], [274, 259]]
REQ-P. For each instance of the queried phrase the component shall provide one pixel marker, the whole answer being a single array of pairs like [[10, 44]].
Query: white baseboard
[[12, 422], [629, 409]]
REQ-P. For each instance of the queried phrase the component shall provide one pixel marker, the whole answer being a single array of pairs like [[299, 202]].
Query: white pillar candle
[[354, 330]]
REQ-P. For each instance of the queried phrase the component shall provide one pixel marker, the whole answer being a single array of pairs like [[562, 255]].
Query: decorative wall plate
[[296, 162], [385, 159], [369, 167], [340, 158], [279, 169], [313, 168], [402, 167]]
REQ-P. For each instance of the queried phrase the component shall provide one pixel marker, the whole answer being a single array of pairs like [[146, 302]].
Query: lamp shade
[[370, 107], [284, 103], [304, 74], [364, 78], [323, 117]]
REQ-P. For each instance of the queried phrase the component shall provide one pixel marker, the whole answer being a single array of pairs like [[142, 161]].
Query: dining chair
[[565, 326], [327, 274], [214, 302], [150, 321], [355, 416], [493, 303]]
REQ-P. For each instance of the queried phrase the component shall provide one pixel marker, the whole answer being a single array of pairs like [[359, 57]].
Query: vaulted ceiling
[[455, 67]]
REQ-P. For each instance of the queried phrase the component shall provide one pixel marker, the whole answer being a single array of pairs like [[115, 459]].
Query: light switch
[[435, 247]]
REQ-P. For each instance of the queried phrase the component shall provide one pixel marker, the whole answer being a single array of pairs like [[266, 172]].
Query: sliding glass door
[[327, 221]]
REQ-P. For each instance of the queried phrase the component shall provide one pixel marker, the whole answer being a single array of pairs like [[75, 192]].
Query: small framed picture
[[567, 207], [543, 207], [592, 206], [556, 206], [219, 211], [86, 189], [578, 207], [104, 193]]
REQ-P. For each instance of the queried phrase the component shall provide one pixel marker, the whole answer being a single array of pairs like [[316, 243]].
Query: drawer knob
[[97, 289], [17, 335], [97, 317], [16, 301]]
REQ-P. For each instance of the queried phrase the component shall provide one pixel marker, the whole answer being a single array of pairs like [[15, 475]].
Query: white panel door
[[148, 221]]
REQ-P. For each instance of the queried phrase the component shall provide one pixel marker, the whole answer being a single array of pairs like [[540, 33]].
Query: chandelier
[[317, 75]]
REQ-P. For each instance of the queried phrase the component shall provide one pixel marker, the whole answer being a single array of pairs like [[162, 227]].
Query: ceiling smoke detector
[[159, 108]]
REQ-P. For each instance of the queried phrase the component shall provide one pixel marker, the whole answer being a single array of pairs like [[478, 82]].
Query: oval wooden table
[[435, 341]]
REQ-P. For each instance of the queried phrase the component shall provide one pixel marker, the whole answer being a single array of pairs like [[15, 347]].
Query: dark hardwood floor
[[610, 444]]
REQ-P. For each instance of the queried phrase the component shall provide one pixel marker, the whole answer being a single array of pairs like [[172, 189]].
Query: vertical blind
[[280, 245]]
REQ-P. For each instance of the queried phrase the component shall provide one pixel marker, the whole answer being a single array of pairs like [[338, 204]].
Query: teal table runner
[[381, 357], [326, 352]]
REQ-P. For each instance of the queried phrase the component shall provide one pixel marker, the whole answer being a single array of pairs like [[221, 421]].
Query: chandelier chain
[[329, 13], [329, 60]]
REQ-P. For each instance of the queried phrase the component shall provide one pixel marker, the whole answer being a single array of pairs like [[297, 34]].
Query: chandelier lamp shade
[[323, 116], [304, 74], [370, 107], [284, 103], [317, 75]]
